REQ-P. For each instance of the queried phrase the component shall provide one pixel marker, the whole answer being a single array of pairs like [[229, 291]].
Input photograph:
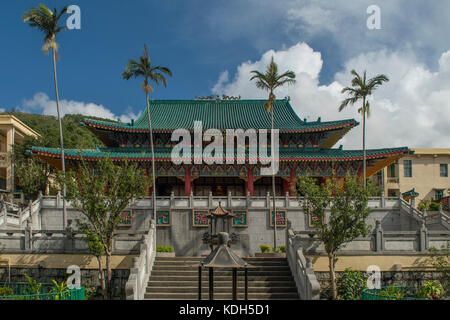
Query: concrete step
[[170, 267], [205, 282], [176, 278], [194, 289], [196, 263], [221, 273], [220, 296], [219, 278]]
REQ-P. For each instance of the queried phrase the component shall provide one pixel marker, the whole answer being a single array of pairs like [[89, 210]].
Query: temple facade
[[305, 147]]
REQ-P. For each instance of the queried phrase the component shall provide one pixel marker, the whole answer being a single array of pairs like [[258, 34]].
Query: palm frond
[[46, 21], [348, 101], [144, 69]]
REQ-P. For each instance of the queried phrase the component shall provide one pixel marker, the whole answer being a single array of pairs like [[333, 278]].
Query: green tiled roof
[[410, 193], [164, 154], [168, 115]]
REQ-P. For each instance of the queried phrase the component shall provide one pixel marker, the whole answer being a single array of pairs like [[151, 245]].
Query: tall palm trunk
[[153, 158], [273, 183], [364, 142], [61, 139]]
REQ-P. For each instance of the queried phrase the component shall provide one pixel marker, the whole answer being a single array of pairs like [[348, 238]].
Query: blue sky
[[210, 46]]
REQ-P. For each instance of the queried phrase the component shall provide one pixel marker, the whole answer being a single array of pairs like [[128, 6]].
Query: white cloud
[[41, 102], [412, 109]]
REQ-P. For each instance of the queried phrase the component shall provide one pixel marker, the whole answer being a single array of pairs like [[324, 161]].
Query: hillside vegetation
[[75, 135]]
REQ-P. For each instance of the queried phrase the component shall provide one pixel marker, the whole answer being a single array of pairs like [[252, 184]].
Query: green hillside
[[75, 135]]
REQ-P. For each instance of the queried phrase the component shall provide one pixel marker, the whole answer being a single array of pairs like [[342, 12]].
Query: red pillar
[[292, 185], [150, 188], [187, 181], [250, 181], [285, 187]]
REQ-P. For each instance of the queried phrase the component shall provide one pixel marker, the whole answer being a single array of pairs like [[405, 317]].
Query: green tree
[[101, 191], [32, 173], [269, 81], [348, 211], [97, 249], [351, 284], [144, 68], [362, 89], [47, 21]]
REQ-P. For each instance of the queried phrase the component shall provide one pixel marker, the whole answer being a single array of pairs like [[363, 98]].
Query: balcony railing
[[393, 180]]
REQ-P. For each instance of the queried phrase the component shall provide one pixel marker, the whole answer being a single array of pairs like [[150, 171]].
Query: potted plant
[[165, 251], [267, 251]]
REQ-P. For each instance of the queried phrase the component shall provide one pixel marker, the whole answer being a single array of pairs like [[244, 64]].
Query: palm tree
[[269, 81], [361, 89], [47, 21], [145, 69]]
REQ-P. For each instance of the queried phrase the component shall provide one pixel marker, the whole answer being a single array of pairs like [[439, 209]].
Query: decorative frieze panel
[[281, 218], [200, 218], [126, 219], [240, 220], [164, 218]]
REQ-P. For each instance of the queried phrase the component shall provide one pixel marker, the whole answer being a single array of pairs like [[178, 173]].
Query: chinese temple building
[[305, 147]]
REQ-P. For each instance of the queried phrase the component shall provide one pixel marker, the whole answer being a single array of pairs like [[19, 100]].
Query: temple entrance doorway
[[219, 186]]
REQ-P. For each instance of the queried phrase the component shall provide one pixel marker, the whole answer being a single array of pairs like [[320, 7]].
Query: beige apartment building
[[426, 171], [12, 131]]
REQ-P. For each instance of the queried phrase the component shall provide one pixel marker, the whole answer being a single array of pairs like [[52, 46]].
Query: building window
[[407, 164], [438, 194], [392, 171], [444, 170]]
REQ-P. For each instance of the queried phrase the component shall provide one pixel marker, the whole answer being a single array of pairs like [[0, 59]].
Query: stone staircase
[[176, 278]]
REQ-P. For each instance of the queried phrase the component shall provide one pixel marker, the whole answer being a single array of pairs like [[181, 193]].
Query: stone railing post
[[248, 199], [378, 236], [28, 236], [4, 213], [268, 200], [382, 200], [172, 199], [229, 199], [287, 204], [58, 199], [210, 200], [423, 237], [69, 238], [191, 200], [131, 287]]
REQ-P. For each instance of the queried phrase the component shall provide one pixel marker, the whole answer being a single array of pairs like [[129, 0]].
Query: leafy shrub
[[164, 249], [282, 249], [350, 284], [392, 293], [434, 206], [35, 287], [431, 290], [265, 248], [6, 291], [60, 290]]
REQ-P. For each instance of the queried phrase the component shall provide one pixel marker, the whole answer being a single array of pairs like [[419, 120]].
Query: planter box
[[270, 255], [165, 254]]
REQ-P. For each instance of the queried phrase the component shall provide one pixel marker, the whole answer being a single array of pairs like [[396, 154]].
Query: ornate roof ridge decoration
[[410, 194]]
